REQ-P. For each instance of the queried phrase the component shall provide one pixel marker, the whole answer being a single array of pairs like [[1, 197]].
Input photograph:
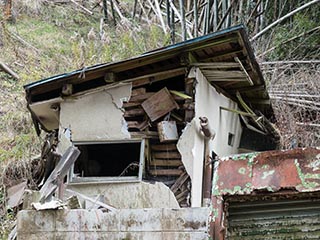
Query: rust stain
[[273, 170], [233, 173], [278, 172]]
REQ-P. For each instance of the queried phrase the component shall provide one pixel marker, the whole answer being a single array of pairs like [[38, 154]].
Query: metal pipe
[[209, 134]]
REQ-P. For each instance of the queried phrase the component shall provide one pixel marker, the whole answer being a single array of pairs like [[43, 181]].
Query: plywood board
[[159, 104]]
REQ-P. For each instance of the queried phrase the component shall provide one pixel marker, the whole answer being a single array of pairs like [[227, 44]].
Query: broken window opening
[[230, 139], [108, 161]]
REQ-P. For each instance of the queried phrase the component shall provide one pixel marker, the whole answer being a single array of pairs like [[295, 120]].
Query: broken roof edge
[[166, 49]]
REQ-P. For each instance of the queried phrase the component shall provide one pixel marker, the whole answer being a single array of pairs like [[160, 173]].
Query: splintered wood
[[181, 189], [159, 104], [159, 114]]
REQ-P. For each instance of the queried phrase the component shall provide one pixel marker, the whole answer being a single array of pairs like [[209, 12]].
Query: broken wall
[[191, 143], [96, 116], [133, 224], [130, 195]]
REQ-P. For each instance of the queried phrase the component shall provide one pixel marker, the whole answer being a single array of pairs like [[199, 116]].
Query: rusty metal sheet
[[297, 169], [279, 172], [233, 177]]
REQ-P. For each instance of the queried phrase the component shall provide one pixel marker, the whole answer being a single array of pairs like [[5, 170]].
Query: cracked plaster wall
[[191, 143], [95, 116]]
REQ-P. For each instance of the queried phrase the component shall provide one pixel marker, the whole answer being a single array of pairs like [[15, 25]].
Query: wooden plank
[[164, 163], [213, 79], [134, 113], [60, 171], [138, 125], [159, 104], [226, 73], [179, 182], [166, 155], [182, 196], [158, 76], [141, 97], [215, 65], [165, 172], [131, 104], [164, 147], [138, 91]]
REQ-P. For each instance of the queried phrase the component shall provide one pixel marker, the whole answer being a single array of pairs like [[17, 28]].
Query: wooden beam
[[60, 171], [154, 77], [215, 65], [163, 163], [166, 155], [245, 71], [165, 172], [164, 147]]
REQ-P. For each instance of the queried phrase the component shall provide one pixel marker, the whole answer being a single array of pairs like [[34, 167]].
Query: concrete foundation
[[124, 224]]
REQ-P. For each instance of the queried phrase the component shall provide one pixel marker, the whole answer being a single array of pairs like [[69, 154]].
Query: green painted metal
[[281, 219]]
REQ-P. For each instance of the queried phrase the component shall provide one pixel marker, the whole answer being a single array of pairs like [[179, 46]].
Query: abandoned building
[[149, 137]]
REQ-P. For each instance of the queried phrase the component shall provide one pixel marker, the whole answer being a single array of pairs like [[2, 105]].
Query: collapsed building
[[146, 136]]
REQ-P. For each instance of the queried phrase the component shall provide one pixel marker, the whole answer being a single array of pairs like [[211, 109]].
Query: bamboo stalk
[[8, 70], [195, 20], [183, 20], [160, 16], [283, 18], [289, 40], [82, 7]]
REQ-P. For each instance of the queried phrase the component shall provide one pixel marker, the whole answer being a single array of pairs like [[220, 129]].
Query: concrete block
[[140, 220], [185, 219], [140, 236], [36, 236], [98, 221], [69, 220], [69, 235], [185, 236], [110, 222], [32, 221]]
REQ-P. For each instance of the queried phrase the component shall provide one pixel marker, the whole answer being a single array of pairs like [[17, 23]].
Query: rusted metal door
[[281, 219]]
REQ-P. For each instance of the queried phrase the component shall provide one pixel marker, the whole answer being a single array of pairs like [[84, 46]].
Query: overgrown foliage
[[43, 38], [294, 89]]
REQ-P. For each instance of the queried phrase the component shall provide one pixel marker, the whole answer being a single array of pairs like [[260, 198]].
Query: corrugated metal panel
[[284, 219]]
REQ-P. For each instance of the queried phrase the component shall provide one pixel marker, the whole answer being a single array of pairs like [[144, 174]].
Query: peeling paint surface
[[294, 170], [103, 108], [271, 171]]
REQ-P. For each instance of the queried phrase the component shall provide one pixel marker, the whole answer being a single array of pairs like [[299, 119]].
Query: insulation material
[[97, 115]]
